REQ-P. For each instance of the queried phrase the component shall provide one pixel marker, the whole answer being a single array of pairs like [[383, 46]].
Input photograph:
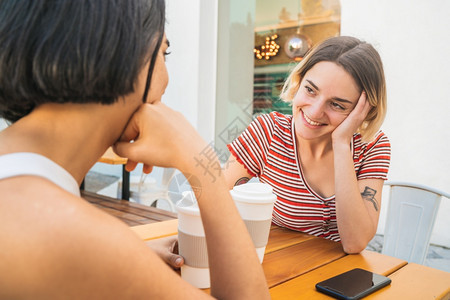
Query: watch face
[[297, 46]]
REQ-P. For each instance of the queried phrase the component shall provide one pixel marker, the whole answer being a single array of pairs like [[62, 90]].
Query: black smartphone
[[353, 284]]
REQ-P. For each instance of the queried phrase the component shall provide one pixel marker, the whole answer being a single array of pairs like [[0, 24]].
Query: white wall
[[412, 37], [192, 31]]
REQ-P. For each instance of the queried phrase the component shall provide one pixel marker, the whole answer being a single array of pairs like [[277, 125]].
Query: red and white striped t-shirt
[[267, 149]]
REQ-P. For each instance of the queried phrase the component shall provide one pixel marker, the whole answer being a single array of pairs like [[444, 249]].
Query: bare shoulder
[[57, 245]]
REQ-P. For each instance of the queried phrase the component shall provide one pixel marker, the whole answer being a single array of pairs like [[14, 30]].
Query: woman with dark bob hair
[[326, 162], [77, 76]]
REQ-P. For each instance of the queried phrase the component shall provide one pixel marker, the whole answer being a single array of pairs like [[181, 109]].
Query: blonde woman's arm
[[357, 202], [235, 173]]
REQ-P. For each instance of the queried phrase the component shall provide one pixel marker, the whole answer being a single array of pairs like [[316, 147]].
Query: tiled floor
[[437, 257], [95, 181]]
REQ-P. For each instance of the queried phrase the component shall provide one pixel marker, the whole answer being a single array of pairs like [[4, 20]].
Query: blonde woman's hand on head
[[159, 136], [344, 132]]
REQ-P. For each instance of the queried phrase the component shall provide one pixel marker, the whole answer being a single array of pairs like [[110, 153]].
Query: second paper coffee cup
[[255, 204]]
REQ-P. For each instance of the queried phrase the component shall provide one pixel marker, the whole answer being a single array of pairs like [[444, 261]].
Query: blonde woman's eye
[[309, 90], [337, 106]]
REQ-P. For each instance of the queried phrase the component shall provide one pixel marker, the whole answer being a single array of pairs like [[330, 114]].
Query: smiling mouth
[[311, 122]]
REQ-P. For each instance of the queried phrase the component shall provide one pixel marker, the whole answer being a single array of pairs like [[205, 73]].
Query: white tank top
[[25, 163]]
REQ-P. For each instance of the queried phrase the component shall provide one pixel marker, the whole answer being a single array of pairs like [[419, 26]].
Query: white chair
[[410, 219], [161, 193]]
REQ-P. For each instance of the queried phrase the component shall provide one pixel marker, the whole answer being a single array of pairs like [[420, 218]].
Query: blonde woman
[[328, 161]]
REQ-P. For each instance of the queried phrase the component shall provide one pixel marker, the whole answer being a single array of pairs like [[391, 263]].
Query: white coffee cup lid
[[188, 204], [253, 192]]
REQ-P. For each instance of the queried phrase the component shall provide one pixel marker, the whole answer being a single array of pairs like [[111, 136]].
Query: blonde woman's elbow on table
[[353, 248], [355, 245]]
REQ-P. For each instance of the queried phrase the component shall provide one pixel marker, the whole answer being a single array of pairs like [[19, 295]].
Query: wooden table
[[294, 262]]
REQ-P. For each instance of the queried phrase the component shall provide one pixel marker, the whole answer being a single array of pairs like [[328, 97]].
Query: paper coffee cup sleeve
[[193, 249], [259, 231]]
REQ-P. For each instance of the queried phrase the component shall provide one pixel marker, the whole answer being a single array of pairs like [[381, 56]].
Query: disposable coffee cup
[[255, 204], [192, 242]]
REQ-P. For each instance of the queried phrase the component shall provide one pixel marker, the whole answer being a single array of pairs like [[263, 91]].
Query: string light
[[269, 49]]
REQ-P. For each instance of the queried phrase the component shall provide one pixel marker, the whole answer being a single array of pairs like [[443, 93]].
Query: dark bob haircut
[[76, 51]]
